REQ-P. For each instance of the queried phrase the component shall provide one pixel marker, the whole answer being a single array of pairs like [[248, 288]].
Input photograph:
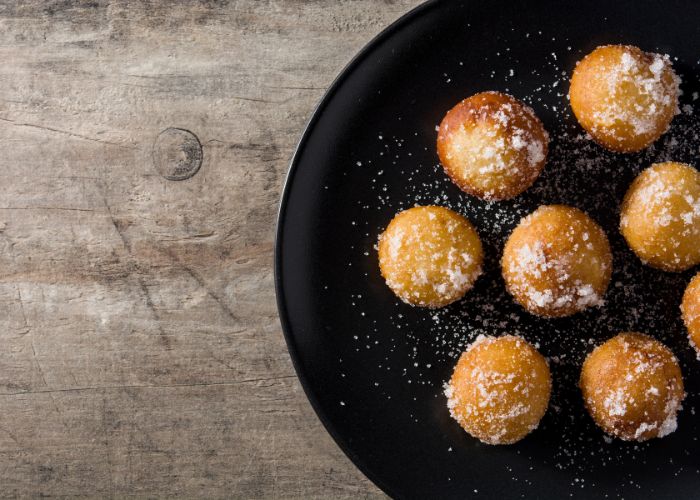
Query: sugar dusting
[[548, 276], [646, 78], [648, 397], [663, 199], [493, 421], [431, 259], [493, 145]]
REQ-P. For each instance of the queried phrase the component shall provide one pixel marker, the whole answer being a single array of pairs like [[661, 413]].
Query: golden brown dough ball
[[492, 145], [623, 97], [691, 312], [499, 390], [430, 256], [661, 216], [632, 386], [557, 262]]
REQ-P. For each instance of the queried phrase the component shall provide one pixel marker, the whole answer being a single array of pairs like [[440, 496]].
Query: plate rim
[[339, 80]]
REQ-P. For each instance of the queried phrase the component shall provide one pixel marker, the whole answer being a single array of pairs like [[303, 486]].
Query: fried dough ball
[[691, 312], [430, 256], [632, 386], [557, 262], [492, 146], [623, 97], [499, 390], [660, 216]]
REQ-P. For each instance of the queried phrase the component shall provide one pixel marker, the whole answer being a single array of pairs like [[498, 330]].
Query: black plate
[[372, 367]]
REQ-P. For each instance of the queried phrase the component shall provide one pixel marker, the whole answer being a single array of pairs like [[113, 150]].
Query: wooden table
[[141, 352]]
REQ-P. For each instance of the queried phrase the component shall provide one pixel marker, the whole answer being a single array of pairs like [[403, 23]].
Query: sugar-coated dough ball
[[632, 386], [623, 97], [557, 262], [661, 216], [499, 390], [430, 256], [691, 312], [492, 145]]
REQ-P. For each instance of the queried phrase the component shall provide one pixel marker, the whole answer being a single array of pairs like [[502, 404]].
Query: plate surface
[[372, 367]]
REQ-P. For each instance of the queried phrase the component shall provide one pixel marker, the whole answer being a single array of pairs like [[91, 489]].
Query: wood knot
[[177, 154]]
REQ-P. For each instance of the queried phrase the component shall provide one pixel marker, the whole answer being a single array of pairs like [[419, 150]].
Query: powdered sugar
[[616, 403], [492, 146], [655, 93]]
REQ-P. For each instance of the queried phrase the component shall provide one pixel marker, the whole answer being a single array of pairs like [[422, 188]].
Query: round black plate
[[373, 367]]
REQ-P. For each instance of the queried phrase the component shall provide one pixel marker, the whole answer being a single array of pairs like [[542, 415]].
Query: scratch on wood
[[298, 88], [10, 435], [66, 209], [43, 379], [65, 132], [122, 237], [27, 328], [146, 387], [252, 99], [38, 365], [224, 307], [142, 285]]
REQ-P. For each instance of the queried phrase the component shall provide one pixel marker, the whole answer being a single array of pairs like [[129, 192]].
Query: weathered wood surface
[[140, 348]]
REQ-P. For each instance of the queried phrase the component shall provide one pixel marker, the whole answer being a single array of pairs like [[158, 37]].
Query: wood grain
[[141, 349]]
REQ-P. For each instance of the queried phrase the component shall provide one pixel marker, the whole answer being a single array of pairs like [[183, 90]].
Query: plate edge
[[281, 212]]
